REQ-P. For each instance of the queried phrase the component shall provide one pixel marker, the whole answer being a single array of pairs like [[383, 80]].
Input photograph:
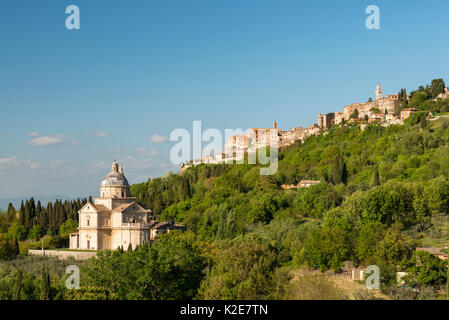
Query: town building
[[383, 110], [308, 183], [326, 120], [387, 105], [163, 227], [405, 114], [444, 95]]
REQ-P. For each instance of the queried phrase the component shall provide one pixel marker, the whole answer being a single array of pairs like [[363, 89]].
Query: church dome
[[115, 178]]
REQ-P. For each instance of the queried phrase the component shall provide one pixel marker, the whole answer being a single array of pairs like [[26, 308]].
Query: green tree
[[424, 269], [18, 284], [402, 101], [418, 100], [45, 284], [368, 238], [261, 209], [36, 232], [339, 170], [22, 214], [436, 194], [68, 227], [7, 247], [326, 248], [317, 199], [10, 213], [169, 269], [376, 179], [394, 247], [17, 231], [242, 270], [437, 87]]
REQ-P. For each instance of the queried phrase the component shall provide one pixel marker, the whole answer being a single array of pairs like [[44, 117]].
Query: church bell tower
[[378, 92]]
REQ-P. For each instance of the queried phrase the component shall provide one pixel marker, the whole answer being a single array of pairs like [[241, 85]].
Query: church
[[115, 219]]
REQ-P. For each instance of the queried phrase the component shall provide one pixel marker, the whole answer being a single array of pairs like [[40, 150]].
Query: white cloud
[[12, 163], [33, 134], [102, 134], [75, 141], [5, 161], [45, 141], [141, 149], [28, 177], [153, 152], [155, 138]]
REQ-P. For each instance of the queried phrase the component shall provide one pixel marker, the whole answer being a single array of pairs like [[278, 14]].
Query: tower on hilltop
[[378, 92]]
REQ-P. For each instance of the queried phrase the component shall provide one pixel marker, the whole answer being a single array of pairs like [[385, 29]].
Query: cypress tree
[[16, 250], [45, 284], [344, 173], [22, 214], [376, 180], [130, 247], [32, 213], [339, 171], [11, 213], [27, 213], [17, 285]]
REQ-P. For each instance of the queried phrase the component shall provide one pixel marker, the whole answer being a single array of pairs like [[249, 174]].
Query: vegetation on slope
[[383, 192]]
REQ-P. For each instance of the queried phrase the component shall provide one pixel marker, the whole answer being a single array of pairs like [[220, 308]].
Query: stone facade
[[387, 105], [405, 114], [114, 220], [326, 120]]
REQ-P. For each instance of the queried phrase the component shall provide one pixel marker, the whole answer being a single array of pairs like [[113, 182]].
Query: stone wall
[[77, 255]]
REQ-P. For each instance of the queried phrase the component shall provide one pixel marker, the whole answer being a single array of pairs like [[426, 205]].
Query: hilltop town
[[384, 110]]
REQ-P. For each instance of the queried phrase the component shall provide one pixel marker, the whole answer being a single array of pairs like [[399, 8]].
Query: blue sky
[[73, 101]]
